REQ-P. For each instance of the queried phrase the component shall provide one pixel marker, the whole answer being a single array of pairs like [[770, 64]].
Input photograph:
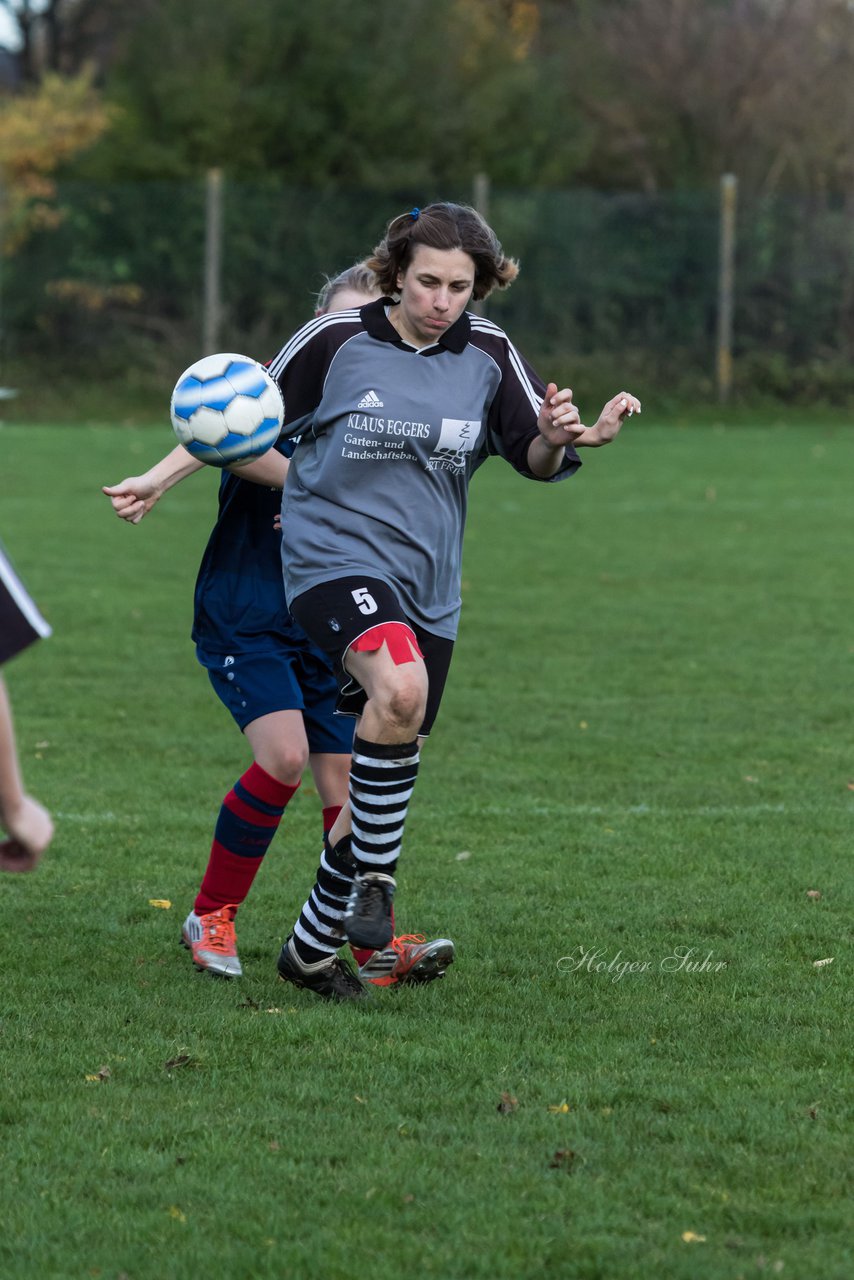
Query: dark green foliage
[[333, 93], [626, 282]]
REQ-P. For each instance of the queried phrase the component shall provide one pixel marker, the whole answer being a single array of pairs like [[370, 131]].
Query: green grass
[[644, 747]]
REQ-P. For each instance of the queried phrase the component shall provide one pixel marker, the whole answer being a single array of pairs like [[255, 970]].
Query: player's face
[[344, 299], [434, 291]]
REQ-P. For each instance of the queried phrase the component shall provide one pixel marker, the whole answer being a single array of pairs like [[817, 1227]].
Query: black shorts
[[336, 613], [20, 621]]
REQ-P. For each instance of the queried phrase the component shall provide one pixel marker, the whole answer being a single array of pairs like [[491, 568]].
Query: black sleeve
[[512, 420], [300, 368]]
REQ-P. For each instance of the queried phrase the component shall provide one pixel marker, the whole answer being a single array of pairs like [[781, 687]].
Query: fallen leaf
[[162, 903], [691, 1237], [102, 1074], [563, 1159], [358, 1099], [463, 855], [813, 1113], [749, 778], [182, 1060], [818, 964], [508, 1104], [582, 724], [851, 785], [408, 1199], [175, 1212], [814, 893], [561, 1110], [248, 1003]]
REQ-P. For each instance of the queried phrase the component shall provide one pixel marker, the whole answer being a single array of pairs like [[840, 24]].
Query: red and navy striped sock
[[330, 815], [248, 820]]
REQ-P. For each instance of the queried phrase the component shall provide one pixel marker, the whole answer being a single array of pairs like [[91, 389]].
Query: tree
[[64, 36], [415, 93], [679, 91], [41, 130]]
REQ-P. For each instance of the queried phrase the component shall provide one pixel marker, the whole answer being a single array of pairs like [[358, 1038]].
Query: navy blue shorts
[[288, 678]]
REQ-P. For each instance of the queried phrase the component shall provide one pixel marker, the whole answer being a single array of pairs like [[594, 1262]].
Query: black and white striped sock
[[382, 777], [319, 933]]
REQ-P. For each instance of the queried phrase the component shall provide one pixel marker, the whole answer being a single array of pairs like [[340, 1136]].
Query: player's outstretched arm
[[27, 823], [610, 420], [269, 470], [559, 424], [134, 497]]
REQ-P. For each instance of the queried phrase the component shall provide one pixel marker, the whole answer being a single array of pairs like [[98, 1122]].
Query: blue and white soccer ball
[[226, 409]]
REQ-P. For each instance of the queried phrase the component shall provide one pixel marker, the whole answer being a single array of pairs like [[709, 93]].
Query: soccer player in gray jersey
[[396, 405]]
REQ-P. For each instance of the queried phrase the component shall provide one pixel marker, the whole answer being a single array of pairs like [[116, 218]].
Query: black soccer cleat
[[368, 919], [331, 979]]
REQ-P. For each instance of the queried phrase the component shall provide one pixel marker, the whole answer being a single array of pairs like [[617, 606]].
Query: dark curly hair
[[443, 226]]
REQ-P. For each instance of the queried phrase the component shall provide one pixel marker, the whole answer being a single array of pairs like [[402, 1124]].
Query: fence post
[[726, 280], [212, 306], [480, 200]]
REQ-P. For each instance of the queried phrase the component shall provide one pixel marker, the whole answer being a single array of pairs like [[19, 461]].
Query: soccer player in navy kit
[[28, 825], [395, 407], [278, 687]]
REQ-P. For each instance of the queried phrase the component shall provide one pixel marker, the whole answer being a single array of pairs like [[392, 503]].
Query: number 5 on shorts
[[364, 599]]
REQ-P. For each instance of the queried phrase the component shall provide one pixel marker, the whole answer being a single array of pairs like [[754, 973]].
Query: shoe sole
[[376, 941], [428, 968], [369, 942]]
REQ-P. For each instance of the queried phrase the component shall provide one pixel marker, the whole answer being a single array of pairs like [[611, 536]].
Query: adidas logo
[[370, 401]]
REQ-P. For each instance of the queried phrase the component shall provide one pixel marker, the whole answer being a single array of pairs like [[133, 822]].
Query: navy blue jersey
[[239, 599]]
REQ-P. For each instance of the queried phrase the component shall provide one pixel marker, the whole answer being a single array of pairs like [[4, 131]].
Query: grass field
[[643, 760]]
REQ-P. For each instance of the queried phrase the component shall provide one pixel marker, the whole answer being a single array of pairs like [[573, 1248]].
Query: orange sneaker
[[213, 942], [409, 959]]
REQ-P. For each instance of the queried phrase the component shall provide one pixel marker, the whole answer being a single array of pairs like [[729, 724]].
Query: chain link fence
[[612, 288]]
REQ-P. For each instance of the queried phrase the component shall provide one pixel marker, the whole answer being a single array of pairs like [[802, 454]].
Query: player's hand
[[559, 422], [133, 498], [614, 414], [277, 522], [30, 831]]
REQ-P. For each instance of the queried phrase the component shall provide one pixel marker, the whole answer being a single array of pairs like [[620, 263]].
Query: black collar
[[378, 325]]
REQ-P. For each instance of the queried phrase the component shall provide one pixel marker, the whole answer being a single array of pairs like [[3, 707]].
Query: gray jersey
[[378, 484]]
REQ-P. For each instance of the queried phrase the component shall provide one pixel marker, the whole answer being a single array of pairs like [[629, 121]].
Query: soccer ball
[[226, 409]]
